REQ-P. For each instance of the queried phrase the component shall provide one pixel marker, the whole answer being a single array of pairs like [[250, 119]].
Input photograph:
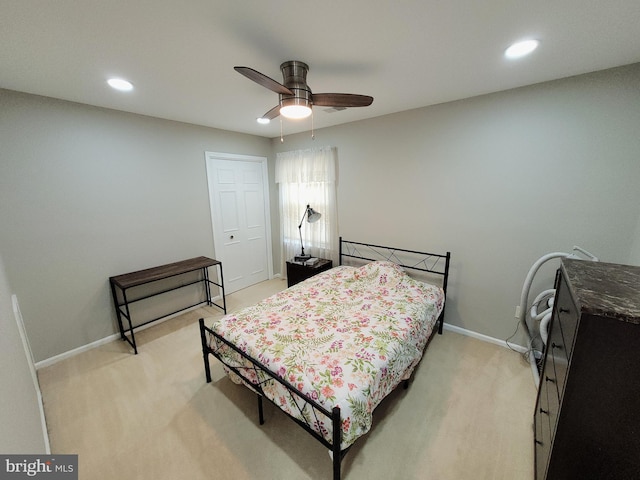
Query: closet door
[[238, 198]]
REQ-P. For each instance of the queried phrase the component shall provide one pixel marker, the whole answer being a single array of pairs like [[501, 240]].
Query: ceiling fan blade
[[341, 100], [273, 113], [263, 80]]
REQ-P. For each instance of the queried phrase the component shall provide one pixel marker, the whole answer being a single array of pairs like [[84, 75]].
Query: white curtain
[[308, 177]]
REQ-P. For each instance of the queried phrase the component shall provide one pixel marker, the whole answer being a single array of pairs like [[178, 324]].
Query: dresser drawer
[[542, 449], [567, 316], [550, 391], [556, 371], [553, 403], [542, 432]]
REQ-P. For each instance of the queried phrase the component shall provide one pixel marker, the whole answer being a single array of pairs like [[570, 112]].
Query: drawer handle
[[554, 345], [546, 412], [552, 380], [564, 310], [539, 442]]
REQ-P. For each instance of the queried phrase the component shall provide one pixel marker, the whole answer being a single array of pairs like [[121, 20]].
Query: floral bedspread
[[346, 337]]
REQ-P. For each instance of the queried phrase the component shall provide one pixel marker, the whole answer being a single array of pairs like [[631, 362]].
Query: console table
[[120, 284]]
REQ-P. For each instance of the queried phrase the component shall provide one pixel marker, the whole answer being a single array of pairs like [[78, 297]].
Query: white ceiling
[[406, 53]]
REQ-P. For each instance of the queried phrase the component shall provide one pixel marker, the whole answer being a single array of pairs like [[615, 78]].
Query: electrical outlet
[[518, 311]]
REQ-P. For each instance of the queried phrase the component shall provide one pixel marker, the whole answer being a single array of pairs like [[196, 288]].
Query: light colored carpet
[[466, 415]]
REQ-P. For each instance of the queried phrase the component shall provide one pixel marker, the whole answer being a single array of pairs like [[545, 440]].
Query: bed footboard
[[255, 375]]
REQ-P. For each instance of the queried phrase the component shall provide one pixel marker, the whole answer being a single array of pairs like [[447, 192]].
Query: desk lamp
[[312, 217]]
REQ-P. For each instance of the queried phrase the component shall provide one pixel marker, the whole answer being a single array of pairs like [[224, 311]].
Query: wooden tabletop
[[141, 277]]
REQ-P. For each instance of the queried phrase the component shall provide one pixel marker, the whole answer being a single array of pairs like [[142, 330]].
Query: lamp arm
[[301, 244], [306, 211]]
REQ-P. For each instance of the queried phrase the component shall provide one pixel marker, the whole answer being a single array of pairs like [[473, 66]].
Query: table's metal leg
[[207, 288], [128, 317], [114, 294], [224, 298]]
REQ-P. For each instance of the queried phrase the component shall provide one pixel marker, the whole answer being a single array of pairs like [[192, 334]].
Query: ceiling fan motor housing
[[294, 74]]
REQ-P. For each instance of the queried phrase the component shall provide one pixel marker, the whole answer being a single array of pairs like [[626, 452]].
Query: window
[[308, 177]]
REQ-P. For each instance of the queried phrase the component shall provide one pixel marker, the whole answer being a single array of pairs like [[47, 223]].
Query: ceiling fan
[[295, 95]]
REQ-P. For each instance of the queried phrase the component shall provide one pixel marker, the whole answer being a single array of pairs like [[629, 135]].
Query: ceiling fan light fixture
[[263, 120], [295, 112], [295, 107]]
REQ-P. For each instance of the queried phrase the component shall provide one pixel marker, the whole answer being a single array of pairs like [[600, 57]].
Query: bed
[[328, 350]]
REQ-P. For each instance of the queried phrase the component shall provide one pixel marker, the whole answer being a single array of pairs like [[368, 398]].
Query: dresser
[[587, 417]]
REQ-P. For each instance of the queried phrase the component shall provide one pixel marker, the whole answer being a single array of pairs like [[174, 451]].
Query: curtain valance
[[306, 166]]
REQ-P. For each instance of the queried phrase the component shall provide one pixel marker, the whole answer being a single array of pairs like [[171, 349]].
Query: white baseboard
[[32, 367], [485, 338], [72, 353], [495, 341], [116, 336]]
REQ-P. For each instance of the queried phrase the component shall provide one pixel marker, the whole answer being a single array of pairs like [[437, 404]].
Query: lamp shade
[[312, 215]]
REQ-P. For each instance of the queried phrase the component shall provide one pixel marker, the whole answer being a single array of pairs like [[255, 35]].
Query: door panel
[[229, 212], [239, 212]]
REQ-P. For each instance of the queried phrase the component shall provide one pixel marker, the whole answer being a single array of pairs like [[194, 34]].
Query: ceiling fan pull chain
[[281, 137], [313, 135]]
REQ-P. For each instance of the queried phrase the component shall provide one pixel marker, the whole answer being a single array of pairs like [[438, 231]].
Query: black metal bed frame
[[312, 411]]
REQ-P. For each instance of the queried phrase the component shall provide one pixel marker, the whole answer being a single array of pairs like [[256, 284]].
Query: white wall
[[20, 421], [499, 180], [634, 258], [87, 193]]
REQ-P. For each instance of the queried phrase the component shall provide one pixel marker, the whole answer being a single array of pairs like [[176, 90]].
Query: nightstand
[[297, 272]]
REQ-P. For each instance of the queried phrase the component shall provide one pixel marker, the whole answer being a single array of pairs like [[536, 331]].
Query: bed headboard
[[431, 263]]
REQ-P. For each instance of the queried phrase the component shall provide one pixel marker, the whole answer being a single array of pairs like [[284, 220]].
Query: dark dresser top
[[606, 289]]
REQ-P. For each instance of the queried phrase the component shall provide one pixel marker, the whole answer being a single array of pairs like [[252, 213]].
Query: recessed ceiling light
[[520, 49], [120, 84], [263, 120]]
